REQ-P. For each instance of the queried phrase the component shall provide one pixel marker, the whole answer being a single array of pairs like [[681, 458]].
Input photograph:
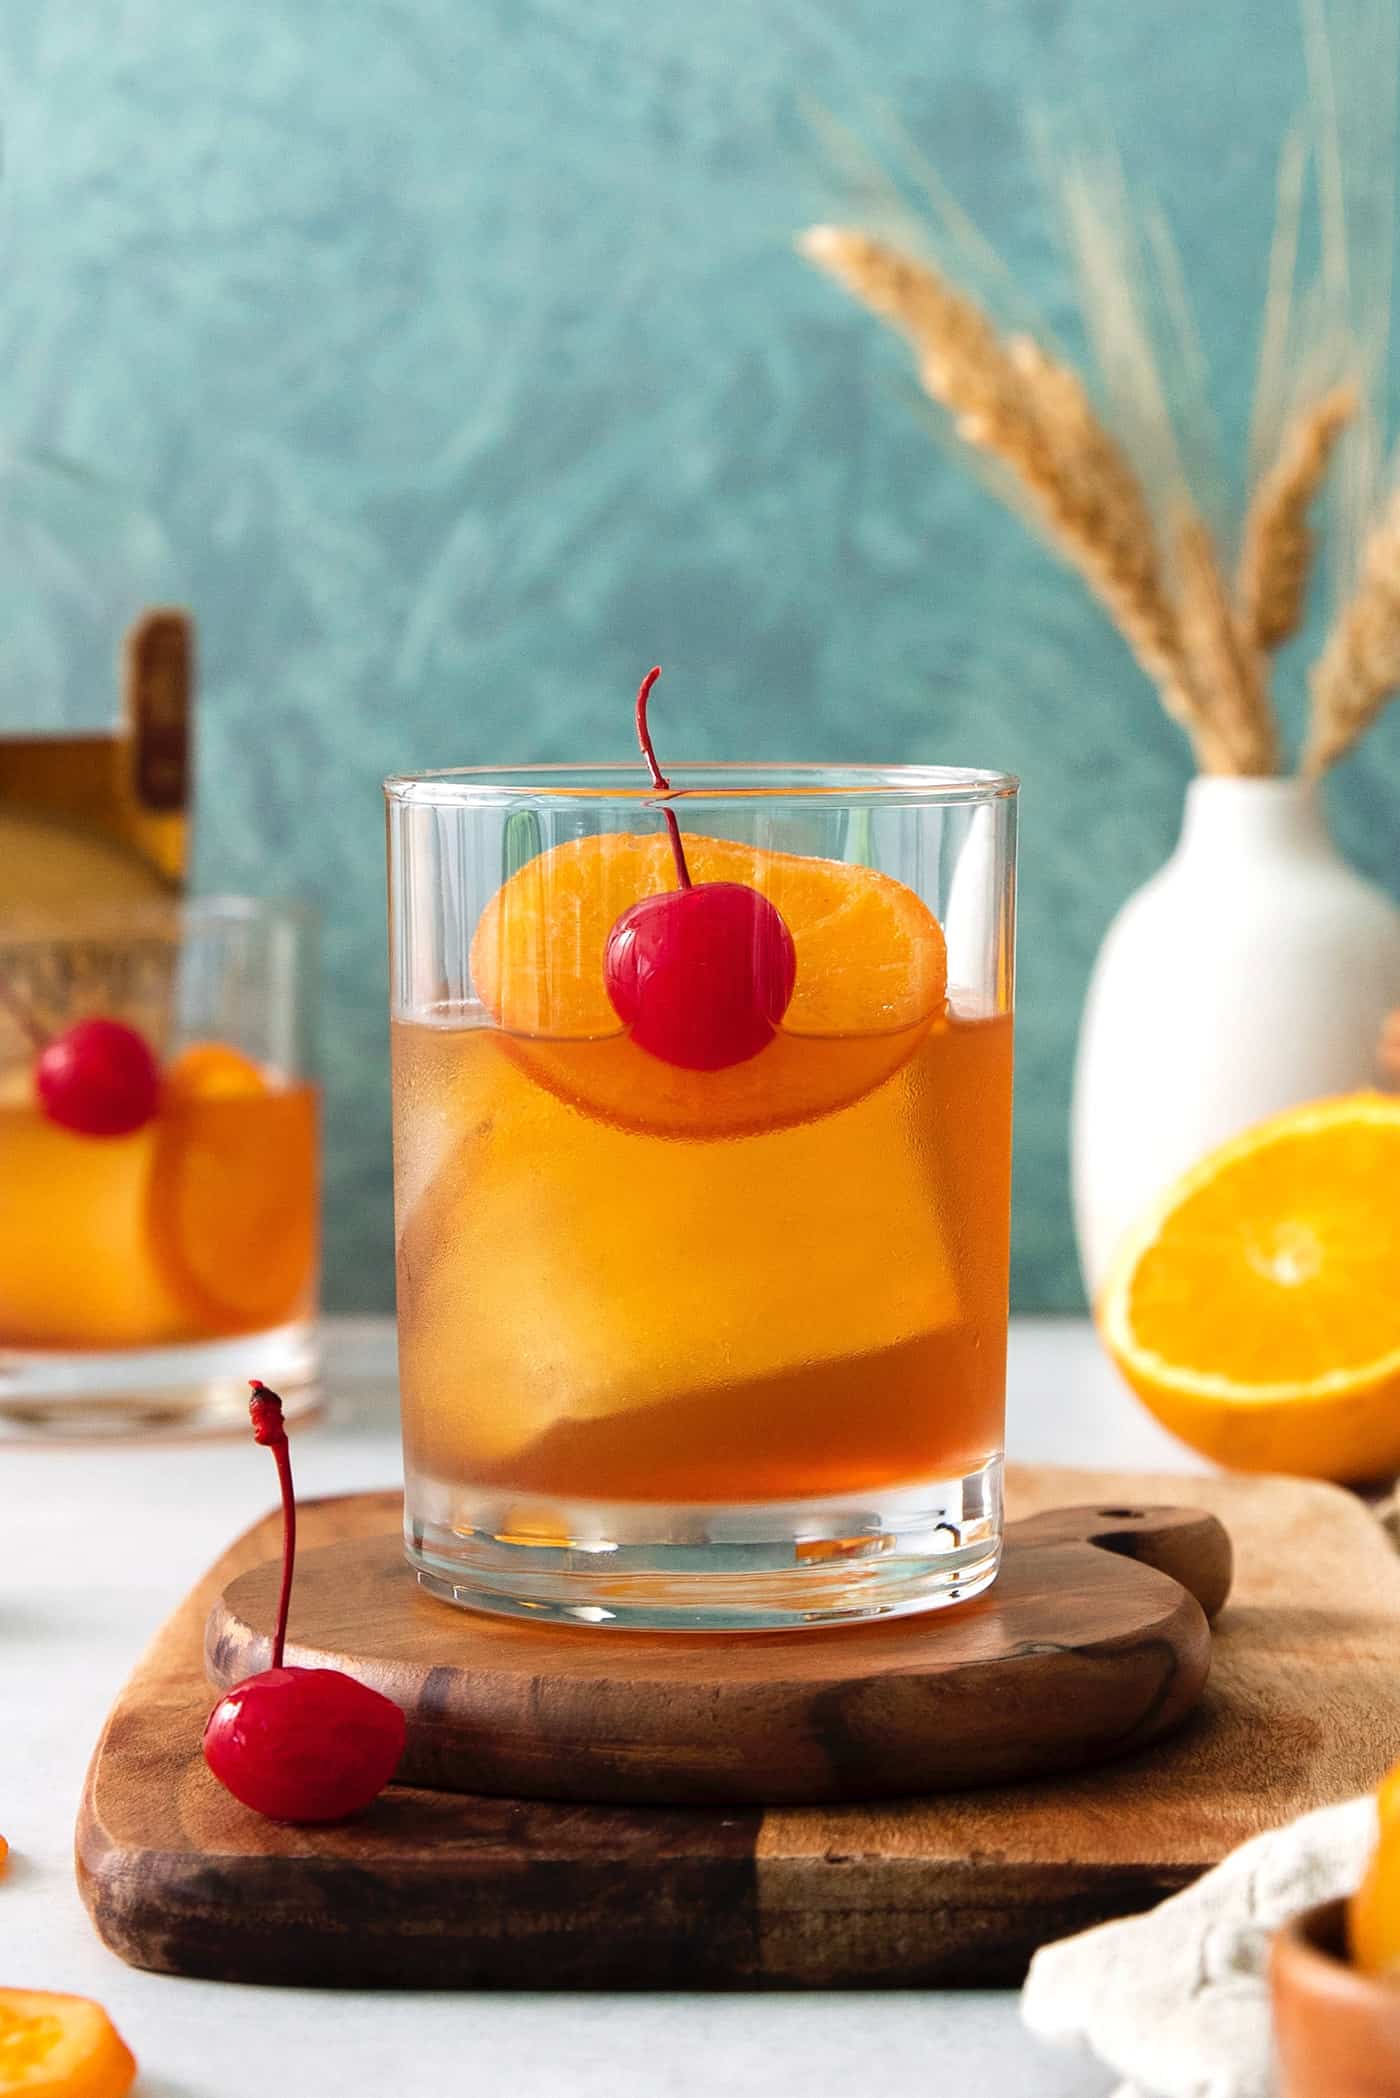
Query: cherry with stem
[[702, 974], [299, 1744]]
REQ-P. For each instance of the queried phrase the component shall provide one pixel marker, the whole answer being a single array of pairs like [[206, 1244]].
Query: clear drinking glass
[[710, 1348], [145, 1277]]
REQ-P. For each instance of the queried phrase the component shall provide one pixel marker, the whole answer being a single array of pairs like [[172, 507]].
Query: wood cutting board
[[453, 1890], [1093, 1642]]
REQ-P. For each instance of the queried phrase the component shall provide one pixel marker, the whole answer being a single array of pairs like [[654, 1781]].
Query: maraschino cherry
[[300, 1744], [98, 1078], [702, 974]]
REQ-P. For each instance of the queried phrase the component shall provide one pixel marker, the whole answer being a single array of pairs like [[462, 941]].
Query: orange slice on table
[[54, 2046], [871, 981], [1256, 1309], [233, 1190]]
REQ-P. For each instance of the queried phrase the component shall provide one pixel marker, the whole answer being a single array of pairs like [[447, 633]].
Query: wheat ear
[[1030, 413], [1221, 657], [1359, 669], [1277, 551]]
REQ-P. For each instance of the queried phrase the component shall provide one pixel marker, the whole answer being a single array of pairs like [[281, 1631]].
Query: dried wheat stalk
[[1222, 658], [1359, 669], [1277, 551], [1030, 413]]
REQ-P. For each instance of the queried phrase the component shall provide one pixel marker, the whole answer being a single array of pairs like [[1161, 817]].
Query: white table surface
[[98, 1545]]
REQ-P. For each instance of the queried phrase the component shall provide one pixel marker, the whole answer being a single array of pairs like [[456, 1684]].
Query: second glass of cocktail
[[702, 1125]]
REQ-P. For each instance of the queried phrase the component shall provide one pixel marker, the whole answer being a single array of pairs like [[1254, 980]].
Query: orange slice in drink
[[871, 981], [1256, 1311], [233, 1191], [54, 2046]]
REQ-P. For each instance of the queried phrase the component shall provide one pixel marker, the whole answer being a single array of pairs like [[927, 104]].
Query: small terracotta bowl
[[1337, 2032]]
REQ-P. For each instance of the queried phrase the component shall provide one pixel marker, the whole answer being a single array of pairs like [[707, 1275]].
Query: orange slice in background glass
[[233, 1190], [57, 2046], [212, 1071], [871, 981]]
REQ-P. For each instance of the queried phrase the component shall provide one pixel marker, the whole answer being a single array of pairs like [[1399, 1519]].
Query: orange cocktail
[[159, 1167], [200, 1224], [662, 1326]]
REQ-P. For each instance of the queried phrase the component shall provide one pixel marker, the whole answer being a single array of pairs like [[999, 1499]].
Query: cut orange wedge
[[871, 980], [54, 2046], [1256, 1309], [233, 1191]]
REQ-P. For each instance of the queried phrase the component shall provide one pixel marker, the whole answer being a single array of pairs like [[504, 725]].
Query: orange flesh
[[810, 1307], [203, 1224], [1255, 1312], [54, 2046], [871, 981], [1262, 1263], [870, 954]]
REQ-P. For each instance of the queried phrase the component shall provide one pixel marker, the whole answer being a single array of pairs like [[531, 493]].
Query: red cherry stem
[[266, 1410], [658, 777]]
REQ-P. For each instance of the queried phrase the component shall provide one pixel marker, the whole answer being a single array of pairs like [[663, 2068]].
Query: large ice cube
[[557, 1269]]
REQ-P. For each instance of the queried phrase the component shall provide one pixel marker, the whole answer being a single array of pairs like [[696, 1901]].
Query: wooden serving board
[[1092, 1643], [438, 1889]]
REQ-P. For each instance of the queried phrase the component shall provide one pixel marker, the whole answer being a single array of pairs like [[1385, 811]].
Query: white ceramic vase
[[1253, 972]]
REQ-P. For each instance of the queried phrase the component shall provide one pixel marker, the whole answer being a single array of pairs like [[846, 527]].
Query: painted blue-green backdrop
[[458, 347]]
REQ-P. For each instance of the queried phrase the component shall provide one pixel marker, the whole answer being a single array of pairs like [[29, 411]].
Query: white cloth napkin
[[1177, 2001]]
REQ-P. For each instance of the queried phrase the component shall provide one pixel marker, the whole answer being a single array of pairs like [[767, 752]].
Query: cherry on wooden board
[[300, 1744]]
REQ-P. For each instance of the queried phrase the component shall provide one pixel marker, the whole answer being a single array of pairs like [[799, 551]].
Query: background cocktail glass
[[144, 1278], [703, 1348]]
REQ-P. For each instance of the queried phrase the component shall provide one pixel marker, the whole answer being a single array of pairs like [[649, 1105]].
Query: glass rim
[[232, 905], [710, 781]]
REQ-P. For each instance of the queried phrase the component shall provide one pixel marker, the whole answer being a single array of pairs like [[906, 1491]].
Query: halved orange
[[871, 980], [233, 1191], [55, 2046], [1256, 1309]]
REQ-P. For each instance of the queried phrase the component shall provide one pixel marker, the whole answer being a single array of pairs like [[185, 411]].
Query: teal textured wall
[[459, 348]]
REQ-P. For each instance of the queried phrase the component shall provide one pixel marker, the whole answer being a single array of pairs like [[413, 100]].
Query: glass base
[[197, 1389], [745, 1567]]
